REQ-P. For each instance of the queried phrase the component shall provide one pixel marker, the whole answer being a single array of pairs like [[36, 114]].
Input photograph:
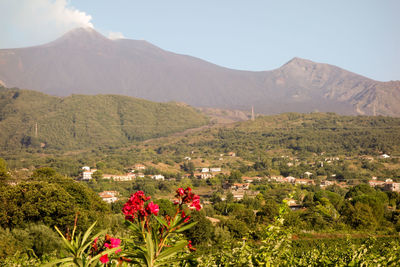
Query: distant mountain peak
[[81, 35], [297, 61]]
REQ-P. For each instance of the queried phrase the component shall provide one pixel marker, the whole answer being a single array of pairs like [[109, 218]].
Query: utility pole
[[252, 113], [36, 130]]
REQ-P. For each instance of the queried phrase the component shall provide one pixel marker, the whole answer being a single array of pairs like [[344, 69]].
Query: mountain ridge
[[84, 61]]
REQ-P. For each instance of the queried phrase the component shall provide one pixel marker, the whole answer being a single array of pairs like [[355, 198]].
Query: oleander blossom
[[104, 259], [152, 208], [109, 243], [135, 207], [187, 197], [180, 191], [186, 218]]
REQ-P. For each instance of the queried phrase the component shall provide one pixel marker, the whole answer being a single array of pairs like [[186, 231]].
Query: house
[[205, 170], [158, 177], [109, 196], [376, 183], [238, 194], [87, 173], [384, 156], [140, 167], [238, 186], [188, 158], [203, 175], [326, 183], [292, 204], [215, 170], [289, 179], [278, 178], [248, 179], [393, 187], [232, 154], [120, 178], [140, 175], [304, 181]]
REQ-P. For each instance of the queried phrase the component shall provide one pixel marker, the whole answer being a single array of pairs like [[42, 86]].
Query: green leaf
[[183, 228], [150, 247], [52, 263], [88, 232], [66, 242], [97, 257], [84, 246], [161, 221], [169, 252]]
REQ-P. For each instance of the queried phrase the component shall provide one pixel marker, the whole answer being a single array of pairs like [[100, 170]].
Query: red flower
[[191, 248], [180, 192], [187, 197], [196, 203], [183, 215], [186, 219], [134, 207], [152, 208], [114, 242], [104, 259]]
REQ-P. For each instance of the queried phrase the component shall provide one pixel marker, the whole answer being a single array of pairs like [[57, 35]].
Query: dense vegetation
[[301, 134], [336, 226], [342, 224], [81, 121]]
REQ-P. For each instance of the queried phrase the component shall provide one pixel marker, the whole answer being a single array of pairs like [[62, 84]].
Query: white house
[[238, 186], [119, 177], [205, 170], [326, 183], [384, 156], [394, 187], [290, 179], [87, 175], [109, 196], [158, 177], [215, 169]]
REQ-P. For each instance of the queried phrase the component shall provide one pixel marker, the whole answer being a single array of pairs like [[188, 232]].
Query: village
[[238, 189]]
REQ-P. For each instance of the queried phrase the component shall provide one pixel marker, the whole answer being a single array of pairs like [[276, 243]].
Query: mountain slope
[[84, 61], [33, 119]]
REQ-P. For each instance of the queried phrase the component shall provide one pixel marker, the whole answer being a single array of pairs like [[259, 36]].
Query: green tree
[[4, 174]]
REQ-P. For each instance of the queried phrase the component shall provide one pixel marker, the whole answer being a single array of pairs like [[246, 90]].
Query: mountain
[[85, 62], [30, 119]]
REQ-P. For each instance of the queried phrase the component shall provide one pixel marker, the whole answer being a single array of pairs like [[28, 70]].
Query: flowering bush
[[85, 250], [156, 239]]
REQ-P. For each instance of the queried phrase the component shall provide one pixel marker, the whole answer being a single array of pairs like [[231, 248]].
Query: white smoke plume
[[32, 22]]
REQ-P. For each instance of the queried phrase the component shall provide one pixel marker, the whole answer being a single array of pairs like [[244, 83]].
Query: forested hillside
[[30, 119], [326, 133]]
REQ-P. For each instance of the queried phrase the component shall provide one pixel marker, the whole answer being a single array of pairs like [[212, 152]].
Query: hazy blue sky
[[362, 36]]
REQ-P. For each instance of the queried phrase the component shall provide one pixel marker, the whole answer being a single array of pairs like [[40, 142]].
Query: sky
[[362, 36]]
